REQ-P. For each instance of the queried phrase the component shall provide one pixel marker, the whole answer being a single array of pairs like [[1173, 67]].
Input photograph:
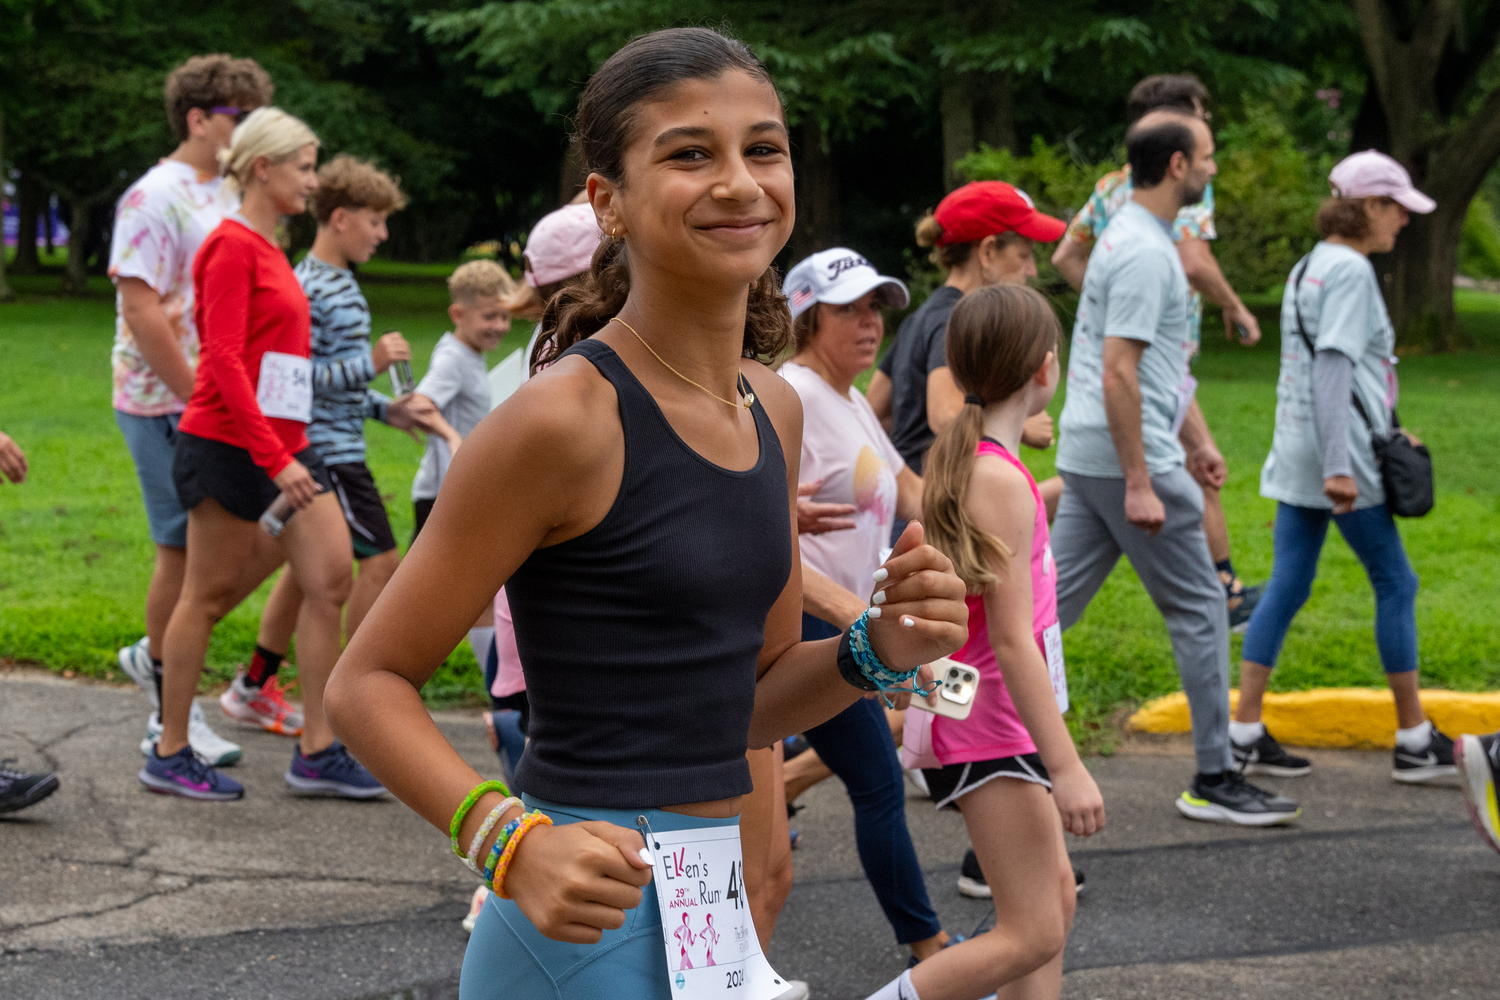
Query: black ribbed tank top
[[639, 638]]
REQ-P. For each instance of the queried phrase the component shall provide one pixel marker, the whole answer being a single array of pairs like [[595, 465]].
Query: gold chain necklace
[[740, 382]]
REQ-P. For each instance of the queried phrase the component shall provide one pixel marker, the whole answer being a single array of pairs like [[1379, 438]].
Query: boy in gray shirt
[[457, 380], [1129, 412]]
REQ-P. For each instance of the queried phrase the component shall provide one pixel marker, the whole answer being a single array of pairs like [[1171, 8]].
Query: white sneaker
[[476, 906], [206, 743], [135, 660]]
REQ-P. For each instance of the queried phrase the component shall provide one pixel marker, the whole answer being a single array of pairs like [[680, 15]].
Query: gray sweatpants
[[1088, 536]]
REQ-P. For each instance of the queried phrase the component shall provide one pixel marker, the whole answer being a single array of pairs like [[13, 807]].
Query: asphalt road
[[109, 892]]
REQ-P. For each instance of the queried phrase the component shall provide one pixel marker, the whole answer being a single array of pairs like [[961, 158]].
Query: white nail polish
[[879, 597], [881, 574], [907, 622], [646, 857], [874, 612]]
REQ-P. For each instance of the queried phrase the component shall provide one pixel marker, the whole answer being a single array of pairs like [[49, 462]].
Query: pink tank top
[[994, 728]]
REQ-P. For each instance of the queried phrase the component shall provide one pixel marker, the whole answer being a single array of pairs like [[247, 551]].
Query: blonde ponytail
[[949, 526]]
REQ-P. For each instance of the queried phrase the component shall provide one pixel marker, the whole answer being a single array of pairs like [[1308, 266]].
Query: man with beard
[[1129, 426]]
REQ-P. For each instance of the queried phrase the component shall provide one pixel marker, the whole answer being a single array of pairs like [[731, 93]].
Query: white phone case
[[958, 682]]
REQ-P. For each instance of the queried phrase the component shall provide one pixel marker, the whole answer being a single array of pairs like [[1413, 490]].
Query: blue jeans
[[153, 444], [856, 745], [1298, 540]]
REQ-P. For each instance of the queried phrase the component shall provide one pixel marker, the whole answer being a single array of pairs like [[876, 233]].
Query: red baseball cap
[[988, 208]]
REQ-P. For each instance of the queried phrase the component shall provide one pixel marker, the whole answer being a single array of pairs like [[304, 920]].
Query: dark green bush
[[1479, 244]]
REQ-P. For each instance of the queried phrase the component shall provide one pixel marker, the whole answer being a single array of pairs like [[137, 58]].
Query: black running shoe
[[971, 881], [1435, 760], [1241, 601], [19, 789], [1265, 756], [1478, 761], [1235, 800]]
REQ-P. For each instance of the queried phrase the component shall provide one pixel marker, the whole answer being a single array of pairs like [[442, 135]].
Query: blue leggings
[[1372, 534], [856, 745], [509, 958]]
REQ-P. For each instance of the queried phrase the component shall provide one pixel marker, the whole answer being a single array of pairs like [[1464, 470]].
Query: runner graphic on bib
[[285, 387], [700, 874]]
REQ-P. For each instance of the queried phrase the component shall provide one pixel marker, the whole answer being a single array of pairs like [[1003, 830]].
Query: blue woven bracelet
[[506, 833], [886, 680]]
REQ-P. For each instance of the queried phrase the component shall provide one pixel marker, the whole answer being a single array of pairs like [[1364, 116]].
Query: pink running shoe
[[266, 708]]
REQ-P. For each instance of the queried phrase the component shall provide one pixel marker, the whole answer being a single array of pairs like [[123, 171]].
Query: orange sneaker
[[266, 708]]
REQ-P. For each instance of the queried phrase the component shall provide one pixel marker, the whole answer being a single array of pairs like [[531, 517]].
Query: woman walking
[[241, 442], [649, 474], [837, 326], [1336, 395]]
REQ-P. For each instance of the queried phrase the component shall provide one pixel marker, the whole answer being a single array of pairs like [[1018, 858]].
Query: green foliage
[[1056, 180], [1479, 244], [1265, 197]]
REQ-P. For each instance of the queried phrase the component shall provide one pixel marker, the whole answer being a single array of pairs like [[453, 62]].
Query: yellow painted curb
[[1354, 718]]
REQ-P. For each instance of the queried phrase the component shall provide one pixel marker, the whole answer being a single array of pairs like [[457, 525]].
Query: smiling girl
[[648, 476]]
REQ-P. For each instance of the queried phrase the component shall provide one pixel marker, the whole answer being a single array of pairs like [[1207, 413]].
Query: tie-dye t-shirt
[[844, 445], [160, 222], [1192, 222]]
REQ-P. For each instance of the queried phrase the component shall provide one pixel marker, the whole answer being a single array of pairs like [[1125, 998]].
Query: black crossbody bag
[[1405, 468]]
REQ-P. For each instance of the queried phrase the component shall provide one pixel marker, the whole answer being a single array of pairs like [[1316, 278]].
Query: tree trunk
[[74, 279], [1418, 280], [6, 294], [956, 106], [995, 113], [28, 199], [818, 191]]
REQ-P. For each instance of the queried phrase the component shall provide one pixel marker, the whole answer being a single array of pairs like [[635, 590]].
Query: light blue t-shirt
[[1342, 310], [1135, 289]]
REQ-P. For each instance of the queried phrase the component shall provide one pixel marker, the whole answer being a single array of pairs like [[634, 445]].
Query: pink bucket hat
[[561, 245], [1368, 174]]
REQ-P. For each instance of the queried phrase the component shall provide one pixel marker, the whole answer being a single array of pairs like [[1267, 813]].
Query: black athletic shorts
[[369, 526], [948, 784], [421, 510], [204, 469]]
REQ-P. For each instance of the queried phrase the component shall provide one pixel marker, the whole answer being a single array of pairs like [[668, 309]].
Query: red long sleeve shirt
[[248, 302]]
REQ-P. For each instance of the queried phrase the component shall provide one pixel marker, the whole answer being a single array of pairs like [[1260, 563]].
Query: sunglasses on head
[[238, 114]]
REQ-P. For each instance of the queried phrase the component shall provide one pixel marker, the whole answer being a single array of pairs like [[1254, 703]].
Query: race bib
[[712, 950], [1056, 669], [285, 388], [1185, 393]]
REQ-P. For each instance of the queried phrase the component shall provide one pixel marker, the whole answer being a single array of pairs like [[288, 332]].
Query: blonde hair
[[998, 338], [344, 182], [480, 278], [268, 132]]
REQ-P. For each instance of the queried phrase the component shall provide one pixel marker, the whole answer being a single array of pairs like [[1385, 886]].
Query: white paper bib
[[1056, 668], [712, 950], [285, 388]]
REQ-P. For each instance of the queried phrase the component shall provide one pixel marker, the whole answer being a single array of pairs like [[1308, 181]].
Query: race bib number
[[712, 950], [1056, 669], [1185, 393], [285, 388]]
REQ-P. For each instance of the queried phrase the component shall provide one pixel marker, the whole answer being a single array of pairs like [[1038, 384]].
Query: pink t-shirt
[[844, 445], [509, 679], [994, 728]]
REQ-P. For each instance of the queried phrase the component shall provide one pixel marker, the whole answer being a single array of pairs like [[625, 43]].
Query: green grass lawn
[[75, 555]]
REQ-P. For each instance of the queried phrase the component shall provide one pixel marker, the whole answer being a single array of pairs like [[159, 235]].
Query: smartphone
[[1244, 332], [958, 683]]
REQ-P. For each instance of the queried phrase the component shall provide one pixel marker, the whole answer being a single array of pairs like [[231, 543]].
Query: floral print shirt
[[1193, 222], [160, 222]]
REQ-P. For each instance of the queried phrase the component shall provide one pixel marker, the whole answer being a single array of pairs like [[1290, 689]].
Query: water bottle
[[401, 378], [274, 520]]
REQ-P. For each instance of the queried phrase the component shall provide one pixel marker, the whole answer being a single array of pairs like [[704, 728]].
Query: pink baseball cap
[[1372, 174], [561, 245]]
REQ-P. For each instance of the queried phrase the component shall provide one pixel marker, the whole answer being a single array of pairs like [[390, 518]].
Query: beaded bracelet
[[528, 821], [484, 831], [875, 674], [506, 832], [480, 790]]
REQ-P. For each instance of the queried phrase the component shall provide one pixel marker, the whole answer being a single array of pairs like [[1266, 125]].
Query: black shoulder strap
[[1312, 349]]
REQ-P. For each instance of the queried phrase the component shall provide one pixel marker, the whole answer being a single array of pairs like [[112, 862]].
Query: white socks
[[1245, 733], [1415, 738], [899, 988], [480, 641]]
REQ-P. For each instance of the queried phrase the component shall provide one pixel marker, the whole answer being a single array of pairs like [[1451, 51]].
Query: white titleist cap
[[838, 277], [1370, 173]]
